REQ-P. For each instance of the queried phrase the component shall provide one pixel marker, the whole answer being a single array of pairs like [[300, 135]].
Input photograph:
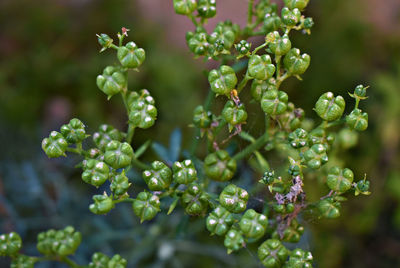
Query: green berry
[[142, 110], [195, 200], [272, 253], [360, 91], [112, 81], [185, 7], [290, 17], [159, 177], [10, 244], [279, 45], [184, 172], [260, 67], [118, 154], [207, 8], [219, 221], [23, 261], [201, 117], [298, 138], [102, 204], [259, 87], [234, 198], [299, 4], [219, 166], [316, 156], [308, 23], [357, 120], [105, 134], [253, 224], [340, 180], [329, 107], [268, 177], [95, 172], [234, 240], [146, 206], [130, 56], [59, 242], [274, 102], [223, 80], [120, 184], [328, 208], [296, 63], [55, 145], [74, 131], [233, 114], [299, 259]]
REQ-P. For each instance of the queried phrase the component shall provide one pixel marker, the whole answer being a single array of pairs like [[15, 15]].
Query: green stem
[[194, 20], [139, 164], [281, 79], [278, 66], [357, 103], [258, 48], [252, 147], [250, 13], [124, 200], [131, 131], [243, 83], [70, 262]]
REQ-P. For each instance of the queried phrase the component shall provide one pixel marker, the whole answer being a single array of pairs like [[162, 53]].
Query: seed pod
[[329, 208], [10, 244], [299, 4], [292, 233], [268, 177], [55, 145], [253, 224], [279, 45], [105, 134], [260, 67], [59, 242], [290, 17], [319, 136], [117, 261], [184, 172], [130, 56], [298, 138], [223, 36], [263, 8], [207, 8], [347, 138], [219, 166], [308, 23], [74, 131], [118, 154], [243, 47], [195, 200], [340, 180], [112, 81], [233, 114], [362, 187], [222, 81], [357, 120], [95, 172], [219, 221], [296, 63], [146, 206], [159, 177], [120, 184], [104, 40], [201, 118], [329, 107], [316, 156], [102, 204], [272, 22], [185, 7], [259, 87], [274, 102], [299, 259], [234, 198], [360, 91], [272, 253], [234, 240], [198, 41], [142, 110], [23, 261]]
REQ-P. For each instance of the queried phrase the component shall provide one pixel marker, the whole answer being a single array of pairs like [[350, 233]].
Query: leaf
[[142, 149], [161, 151]]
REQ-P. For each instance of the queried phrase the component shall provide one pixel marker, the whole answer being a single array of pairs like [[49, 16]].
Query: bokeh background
[[48, 63]]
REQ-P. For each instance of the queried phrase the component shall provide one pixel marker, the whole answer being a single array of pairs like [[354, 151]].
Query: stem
[[258, 48], [139, 164], [131, 131], [243, 83], [194, 20], [357, 103], [70, 262], [250, 13], [252, 147], [278, 66], [281, 79], [123, 200]]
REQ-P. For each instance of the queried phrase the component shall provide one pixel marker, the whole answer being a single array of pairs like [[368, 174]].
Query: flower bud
[[201, 118], [105, 134], [279, 45], [59, 242], [300, 4], [74, 131], [118, 154], [360, 91], [146, 206], [198, 42], [357, 120], [243, 47], [308, 23], [120, 184], [316, 156], [296, 63], [130, 56], [329, 107], [340, 180], [233, 198], [185, 7], [272, 22], [159, 177], [55, 145], [104, 40], [219, 221], [195, 200], [95, 172], [328, 208], [272, 253], [260, 67], [184, 172], [300, 258], [10, 244], [102, 204], [253, 224], [219, 166], [290, 17], [142, 110], [207, 8], [298, 138], [233, 114], [259, 87], [234, 240]]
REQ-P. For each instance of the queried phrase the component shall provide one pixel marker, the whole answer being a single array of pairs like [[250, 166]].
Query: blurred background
[[49, 59]]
